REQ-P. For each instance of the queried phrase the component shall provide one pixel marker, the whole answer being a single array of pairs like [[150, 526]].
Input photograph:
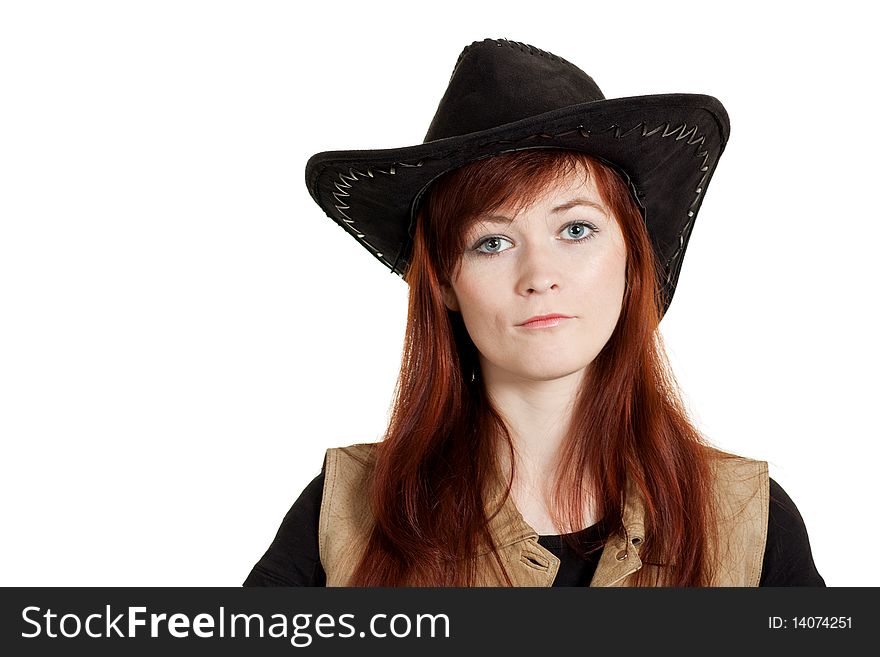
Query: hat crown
[[496, 81]]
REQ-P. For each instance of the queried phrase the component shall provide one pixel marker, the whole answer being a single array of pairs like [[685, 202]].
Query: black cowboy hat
[[507, 96]]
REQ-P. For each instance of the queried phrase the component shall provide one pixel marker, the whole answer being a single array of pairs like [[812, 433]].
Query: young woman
[[537, 437]]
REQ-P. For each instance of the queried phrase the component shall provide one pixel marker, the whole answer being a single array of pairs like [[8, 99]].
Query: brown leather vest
[[742, 489]]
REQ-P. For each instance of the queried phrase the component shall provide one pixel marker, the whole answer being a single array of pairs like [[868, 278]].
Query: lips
[[541, 318]]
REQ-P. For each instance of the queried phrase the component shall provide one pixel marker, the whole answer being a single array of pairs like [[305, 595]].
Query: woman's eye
[[491, 243], [582, 228]]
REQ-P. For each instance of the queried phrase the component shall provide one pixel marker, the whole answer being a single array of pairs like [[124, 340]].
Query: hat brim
[[667, 145]]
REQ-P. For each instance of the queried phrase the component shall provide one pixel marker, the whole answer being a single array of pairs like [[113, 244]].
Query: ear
[[449, 297]]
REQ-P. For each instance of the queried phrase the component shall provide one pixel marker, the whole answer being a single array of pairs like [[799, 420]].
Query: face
[[564, 254]]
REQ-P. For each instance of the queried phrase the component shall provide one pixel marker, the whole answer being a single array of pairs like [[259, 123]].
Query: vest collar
[[620, 556]]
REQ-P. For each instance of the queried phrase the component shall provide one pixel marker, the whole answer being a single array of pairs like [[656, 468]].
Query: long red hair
[[444, 435]]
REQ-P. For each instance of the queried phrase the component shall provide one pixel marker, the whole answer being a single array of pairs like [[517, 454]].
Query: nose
[[539, 269]]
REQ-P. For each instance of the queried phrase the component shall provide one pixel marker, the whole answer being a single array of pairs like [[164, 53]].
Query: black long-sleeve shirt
[[293, 559]]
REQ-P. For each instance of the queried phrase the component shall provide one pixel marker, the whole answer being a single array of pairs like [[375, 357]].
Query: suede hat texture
[[506, 96]]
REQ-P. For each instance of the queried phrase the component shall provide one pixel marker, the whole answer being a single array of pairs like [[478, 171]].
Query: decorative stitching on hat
[[525, 47], [353, 175], [344, 183], [516, 45]]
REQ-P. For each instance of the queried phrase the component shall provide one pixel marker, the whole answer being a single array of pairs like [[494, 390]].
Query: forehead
[[570, 190]]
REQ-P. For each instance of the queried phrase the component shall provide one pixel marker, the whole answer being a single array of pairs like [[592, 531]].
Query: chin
[[551, 373]]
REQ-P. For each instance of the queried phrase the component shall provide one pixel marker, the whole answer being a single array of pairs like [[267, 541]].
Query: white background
[[183, 332]]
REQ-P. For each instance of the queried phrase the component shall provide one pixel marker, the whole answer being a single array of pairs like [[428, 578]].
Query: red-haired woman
[[537, 436]]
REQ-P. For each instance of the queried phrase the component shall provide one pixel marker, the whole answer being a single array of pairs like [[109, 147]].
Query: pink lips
[[544, 321]]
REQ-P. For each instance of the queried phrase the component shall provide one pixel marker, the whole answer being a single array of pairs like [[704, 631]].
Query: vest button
[[621, 555]]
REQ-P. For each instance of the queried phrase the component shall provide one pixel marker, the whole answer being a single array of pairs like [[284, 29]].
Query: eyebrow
[[501, 219]]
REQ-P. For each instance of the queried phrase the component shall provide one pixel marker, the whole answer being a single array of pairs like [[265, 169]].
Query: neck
[[537, 415]]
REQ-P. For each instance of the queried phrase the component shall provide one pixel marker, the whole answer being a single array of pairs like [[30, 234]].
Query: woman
[[537, 437]]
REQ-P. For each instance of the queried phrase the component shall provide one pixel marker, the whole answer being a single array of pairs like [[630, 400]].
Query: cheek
[[479, 314], [482, 308], [603, 284]]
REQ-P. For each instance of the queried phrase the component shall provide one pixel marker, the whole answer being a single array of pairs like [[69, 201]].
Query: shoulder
[[788, 560], [740, 483], [347, 472], [730, 467], [741, 490], [348, 467], [363, 454], [345, 514], [292, 557]]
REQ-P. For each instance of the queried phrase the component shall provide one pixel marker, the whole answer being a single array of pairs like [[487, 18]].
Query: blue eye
[[489, 240], [581, 225], [578, 237]]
